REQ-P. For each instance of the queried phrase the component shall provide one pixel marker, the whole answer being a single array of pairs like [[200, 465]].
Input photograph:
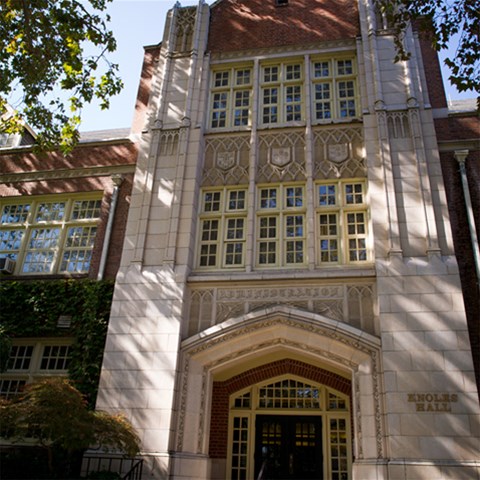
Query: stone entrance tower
[[289, 300]]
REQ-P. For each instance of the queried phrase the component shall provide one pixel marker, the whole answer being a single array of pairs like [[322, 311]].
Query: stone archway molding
[[293, 331]]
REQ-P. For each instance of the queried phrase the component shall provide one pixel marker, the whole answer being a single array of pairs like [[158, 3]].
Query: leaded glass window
[[48, 236]]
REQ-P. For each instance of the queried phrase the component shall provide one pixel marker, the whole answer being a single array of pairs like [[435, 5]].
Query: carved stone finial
[[461, 155], [412, 102], [117, 179]]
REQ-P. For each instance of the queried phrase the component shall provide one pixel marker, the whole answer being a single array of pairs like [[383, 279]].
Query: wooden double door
[[288, 447]]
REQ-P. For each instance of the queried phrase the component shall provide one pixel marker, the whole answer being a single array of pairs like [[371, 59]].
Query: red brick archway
[[223, 390]]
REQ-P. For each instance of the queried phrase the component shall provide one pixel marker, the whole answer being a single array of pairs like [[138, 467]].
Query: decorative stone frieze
[[249, 330], [184, 28], [398, 124], [63, 174], [339, 153], [281, 157], [352, 304], [226, 160]]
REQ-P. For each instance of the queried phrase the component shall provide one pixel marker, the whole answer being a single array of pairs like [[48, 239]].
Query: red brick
[[260, 24], [223, 390]]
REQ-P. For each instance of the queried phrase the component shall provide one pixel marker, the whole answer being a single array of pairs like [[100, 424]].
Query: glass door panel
[[288, 447]]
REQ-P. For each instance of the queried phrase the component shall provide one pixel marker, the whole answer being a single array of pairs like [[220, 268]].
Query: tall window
[[49, 234], [281, 93], [230, 98], [281, 229], [342, 222], [334, 89], [222, 228]]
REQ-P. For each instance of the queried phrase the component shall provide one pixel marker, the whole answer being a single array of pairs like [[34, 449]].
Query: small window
[[282, 93], [334, 91], [55, 357], [230, 98], [11, 388], [30, 361], [223, 227], [281, 226], [342, 222], [281, 3], [20, 357]]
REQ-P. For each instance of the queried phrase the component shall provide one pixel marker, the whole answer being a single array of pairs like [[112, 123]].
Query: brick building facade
[[63, 219], [51, 181], [297, 294], [289, 301]]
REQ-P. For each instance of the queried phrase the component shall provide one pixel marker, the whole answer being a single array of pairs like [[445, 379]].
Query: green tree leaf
[[53, 60], [53, 414], [442, 22]]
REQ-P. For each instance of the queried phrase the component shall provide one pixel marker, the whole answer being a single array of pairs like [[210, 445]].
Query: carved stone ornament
[[225, 160], [280, 157], [338, 152], [309, 329]]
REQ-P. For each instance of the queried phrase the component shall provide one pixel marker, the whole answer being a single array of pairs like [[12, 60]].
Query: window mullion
[[220, 261], [26, 235], [58, 255], [308, 92], [250, 247], [234, 225], [220, 244], [36, 359]]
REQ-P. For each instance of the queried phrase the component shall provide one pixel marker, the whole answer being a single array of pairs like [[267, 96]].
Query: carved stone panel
[[352, 304], [226, 160], [184, 28], [339, 152], [281, 157]]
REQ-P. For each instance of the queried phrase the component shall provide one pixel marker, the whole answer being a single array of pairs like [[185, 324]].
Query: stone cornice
[[80, 144], [281, 52], [367, 272], [452, 145], [66, 173]]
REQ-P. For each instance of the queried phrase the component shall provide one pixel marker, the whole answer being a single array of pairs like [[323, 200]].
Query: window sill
[[282, 274], [335, 121], [43, 276]]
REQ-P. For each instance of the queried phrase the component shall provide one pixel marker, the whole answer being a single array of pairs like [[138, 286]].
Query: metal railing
[[126, 468]]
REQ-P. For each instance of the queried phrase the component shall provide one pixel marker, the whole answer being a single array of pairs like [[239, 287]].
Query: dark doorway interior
[[288, 447]]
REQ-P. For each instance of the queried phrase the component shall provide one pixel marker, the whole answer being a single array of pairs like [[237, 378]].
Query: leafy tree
[[47, 68], [54, 414], [442, 21]]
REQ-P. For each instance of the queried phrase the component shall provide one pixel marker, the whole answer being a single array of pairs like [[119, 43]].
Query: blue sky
[[136, 23]]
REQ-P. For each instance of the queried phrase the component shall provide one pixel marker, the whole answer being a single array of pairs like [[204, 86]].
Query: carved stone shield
[[281, 157], [225, 160], [338, 152]]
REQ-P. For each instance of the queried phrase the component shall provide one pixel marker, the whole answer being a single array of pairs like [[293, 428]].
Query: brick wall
[[118, 228], [260, 24], [455, 128], [433, 73], [123, 152], [150, 58], [222, 391], [458, 128], [110, 155]]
